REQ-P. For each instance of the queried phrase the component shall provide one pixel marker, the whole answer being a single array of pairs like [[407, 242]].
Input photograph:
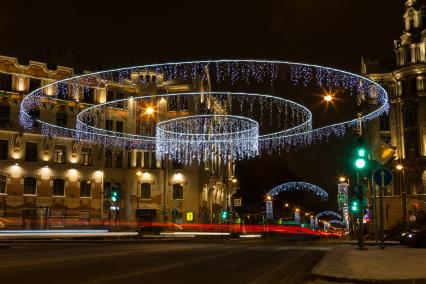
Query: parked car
[[414, 237]]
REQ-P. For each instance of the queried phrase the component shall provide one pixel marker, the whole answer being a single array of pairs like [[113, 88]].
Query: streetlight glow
[[399, 167], [342, 179], [149, 110], [328, 98], [139, 173]]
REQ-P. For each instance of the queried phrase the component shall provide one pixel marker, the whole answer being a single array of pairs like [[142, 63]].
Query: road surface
[[196, 261]]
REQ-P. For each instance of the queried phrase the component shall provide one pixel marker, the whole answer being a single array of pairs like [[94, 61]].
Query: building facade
[[405, 125], [55, 182]]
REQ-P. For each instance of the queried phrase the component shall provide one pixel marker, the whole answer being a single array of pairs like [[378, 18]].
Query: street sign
[[383, 153], [189, 216], [382, 177], [237, 202]]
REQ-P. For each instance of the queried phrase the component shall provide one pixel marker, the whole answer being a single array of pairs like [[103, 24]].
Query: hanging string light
[[240, 131]]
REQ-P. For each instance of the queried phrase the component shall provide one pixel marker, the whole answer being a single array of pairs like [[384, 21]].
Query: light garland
[[299, 186], [328, 213], [294, 120]]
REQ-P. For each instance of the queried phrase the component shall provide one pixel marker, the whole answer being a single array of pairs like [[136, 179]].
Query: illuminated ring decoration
[[299, 186], [240, 141], [194, 137], [336, 222], [328, 213], [250, 72]]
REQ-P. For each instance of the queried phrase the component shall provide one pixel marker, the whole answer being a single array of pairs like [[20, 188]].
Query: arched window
[[177, 191], [3, 182], [145, 190], [30, 185], [58, 187]]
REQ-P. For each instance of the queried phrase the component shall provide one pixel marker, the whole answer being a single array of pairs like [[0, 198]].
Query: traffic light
[[360, 154], [115, 193], [354, 206], [224, 215]]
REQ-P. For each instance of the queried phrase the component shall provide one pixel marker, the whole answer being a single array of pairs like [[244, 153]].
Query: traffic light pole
[[361, 241]]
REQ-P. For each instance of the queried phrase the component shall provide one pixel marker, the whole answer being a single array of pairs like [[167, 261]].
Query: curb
[[332, 279]]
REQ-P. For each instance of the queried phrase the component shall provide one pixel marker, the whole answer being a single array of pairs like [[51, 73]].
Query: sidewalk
[[391, 265]]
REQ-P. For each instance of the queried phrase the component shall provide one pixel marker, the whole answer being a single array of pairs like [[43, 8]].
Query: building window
[[30, 185], [183, 103], [108, 159], [145, 190], [59, 154], [86, 156], [384, 123], [58, 187], [35, 115], [138, 159], [85, 189], [119, 125], [109, 124], [177, 191], [177, 165], [146, 159], [120, 96], [129, 159], [3, 182], [61, 118], [411, 144], [89, 95], [119, 160], [4, 114], [110, 95], [31, 152], [173, 103], [410, 117], [34, 84], [3, 149], [5, 82], [62, 91]]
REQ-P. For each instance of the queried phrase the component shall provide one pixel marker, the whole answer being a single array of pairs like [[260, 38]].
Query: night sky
[[94, 35]]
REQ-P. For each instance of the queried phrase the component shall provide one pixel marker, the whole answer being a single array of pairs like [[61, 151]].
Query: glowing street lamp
[[399, 167], [328, 98], [149, 110], [342, 179]]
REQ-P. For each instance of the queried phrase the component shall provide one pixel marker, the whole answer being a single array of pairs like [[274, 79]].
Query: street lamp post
[[400, 168]]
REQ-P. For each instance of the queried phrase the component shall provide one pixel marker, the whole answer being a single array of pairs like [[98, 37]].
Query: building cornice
[[34, 69]]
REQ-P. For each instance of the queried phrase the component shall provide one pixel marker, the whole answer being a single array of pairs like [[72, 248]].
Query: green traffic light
[[362, 152], [360, 163], [114, 196], [354, 207]]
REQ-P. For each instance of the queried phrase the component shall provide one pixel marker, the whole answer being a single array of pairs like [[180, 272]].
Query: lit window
[[86, 156], [59, 154]]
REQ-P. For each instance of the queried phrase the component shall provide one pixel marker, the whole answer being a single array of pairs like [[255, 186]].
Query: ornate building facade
[[405, 125], [54, 182]]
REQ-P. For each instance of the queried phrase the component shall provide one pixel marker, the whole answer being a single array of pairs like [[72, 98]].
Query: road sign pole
[[382, 177], [382, 225]]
